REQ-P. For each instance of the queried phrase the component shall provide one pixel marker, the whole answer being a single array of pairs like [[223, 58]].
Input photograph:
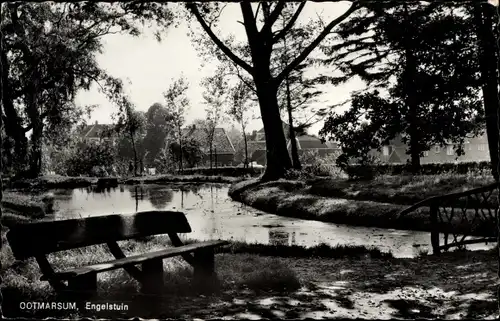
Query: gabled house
[[475, 149], [223, 149], [95, 132], [312, 143]]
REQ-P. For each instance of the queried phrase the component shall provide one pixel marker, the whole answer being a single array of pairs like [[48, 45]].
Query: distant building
[[96, 132], [305, 143], [475, 148], [223, 149]]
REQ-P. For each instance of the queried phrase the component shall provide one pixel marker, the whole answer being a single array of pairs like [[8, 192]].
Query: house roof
[[95, 130], [334, 145], [285, 127], [394, 158], [304, 142], [222, 142], [310, 142], [257, 144], [261, 132]]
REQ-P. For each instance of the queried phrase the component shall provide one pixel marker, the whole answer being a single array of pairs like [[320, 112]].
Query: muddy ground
[[453, 286]]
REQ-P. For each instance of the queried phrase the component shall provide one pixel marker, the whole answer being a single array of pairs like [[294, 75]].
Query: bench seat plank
[[52, 236], [133, 260]]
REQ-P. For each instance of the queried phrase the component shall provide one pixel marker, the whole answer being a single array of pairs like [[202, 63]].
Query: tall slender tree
[[239, 108], [132, 123], [215, 98], [177, 102]]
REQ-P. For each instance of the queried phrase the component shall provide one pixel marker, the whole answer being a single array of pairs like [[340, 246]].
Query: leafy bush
[[88, 157], [316, 165], [223, 171], [360, 172]]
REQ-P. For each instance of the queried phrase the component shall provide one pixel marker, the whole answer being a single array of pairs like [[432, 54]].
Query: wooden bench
[[39, 239]]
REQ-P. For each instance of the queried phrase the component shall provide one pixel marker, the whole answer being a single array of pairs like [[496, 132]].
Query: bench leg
[[84, 283], [204, 269], [152, 276], [84, 286]]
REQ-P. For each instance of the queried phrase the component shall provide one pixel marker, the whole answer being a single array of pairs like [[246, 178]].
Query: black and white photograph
[[250, 160]]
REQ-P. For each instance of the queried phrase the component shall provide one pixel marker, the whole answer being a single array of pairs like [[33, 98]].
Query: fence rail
[[460, 216]]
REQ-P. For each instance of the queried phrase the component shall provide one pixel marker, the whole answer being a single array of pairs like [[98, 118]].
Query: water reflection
[[136, 192], [278, 237], [213, 215], [106, 191], [160, 198], [191, 188]]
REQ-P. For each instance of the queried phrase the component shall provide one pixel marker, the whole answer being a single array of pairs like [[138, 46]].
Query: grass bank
[[406, 190], [376, 204], [33, 206], [337, 283], [54, 181]]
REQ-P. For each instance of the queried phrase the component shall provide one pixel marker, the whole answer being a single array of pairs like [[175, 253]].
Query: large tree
[[259, 21], [49, 53], [405, 50]]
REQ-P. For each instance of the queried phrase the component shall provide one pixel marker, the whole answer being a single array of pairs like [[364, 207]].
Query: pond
[[213, 215]]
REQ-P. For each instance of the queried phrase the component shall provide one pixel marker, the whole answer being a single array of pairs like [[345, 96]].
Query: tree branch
[[250, 23], [290, 23], [194, 9], [314, 44], [273, 17], [257, 11], [243, 80]]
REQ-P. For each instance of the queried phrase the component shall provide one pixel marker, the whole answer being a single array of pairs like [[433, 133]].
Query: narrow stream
[[213, 215]]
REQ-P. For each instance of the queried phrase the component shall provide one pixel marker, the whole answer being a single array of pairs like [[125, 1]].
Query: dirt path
[[450, 287]]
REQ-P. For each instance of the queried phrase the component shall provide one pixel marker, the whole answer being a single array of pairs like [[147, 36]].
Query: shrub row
[[425, 169]]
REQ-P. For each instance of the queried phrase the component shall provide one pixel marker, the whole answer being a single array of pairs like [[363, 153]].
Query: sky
[[148, 67]]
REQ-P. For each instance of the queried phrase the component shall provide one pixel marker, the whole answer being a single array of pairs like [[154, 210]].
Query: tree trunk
[[489, 71], [36, 150], [1, 193], [210, 155], [180, 150], [277, 158], [490, 68], [295, 153], [13, 127], [412, 104], [135, 153], [246, 146], [35, 119]]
